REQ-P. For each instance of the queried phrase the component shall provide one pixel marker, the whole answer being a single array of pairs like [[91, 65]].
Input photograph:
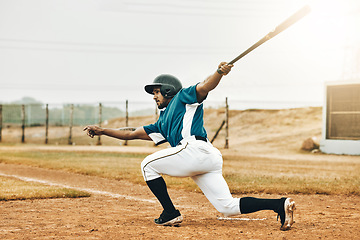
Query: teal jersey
[[182, 118]]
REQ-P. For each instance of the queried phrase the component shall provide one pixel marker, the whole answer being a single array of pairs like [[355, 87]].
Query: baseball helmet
[[169, 85]]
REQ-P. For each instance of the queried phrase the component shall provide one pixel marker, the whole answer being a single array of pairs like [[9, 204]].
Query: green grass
[[249, 175], [13, 189], [109, 165], [244, 175]]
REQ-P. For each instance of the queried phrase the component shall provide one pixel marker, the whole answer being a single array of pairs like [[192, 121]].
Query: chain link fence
[[62, 124]]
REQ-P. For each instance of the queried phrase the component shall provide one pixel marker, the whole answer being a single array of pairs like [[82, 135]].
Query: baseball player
[[191, 154]]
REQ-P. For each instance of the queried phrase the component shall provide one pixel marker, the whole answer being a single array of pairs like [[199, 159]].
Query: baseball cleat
[[166, 219], [286, 213]]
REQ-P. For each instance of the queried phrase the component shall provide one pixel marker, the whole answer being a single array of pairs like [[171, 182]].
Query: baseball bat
[[281, 27]]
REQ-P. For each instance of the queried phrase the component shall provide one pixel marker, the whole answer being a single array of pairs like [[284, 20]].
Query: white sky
[[86, 51]]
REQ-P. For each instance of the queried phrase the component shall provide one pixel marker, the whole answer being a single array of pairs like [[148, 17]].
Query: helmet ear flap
[[167, 90]]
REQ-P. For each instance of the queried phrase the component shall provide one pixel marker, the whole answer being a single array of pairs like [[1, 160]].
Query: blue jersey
[[182, 118]]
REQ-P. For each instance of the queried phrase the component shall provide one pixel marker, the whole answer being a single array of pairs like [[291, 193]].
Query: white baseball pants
[[200, 161]]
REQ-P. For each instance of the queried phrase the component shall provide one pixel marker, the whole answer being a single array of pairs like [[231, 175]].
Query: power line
[[83, 47], [105, 45], [114, 51], [232, 13], [68, 87], [250, 8]]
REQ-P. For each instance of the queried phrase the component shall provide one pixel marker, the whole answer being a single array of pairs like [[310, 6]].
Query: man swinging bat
[[191, 154]]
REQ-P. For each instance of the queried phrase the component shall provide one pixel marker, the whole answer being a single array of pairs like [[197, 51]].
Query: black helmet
[[169, 85]]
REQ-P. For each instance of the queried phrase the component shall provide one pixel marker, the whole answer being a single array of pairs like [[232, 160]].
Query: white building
[[341, 118]]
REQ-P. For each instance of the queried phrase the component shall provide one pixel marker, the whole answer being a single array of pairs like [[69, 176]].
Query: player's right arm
[[203, 88], [127, 133]]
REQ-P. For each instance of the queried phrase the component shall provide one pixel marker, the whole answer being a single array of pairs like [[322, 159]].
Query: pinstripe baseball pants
[[200, 161]]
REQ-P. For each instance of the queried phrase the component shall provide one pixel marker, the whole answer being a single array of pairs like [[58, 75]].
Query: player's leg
[[217, 191], [164, 162], [251, 204], [181, 161], [284, 207], [215, 188], [170, 215], [159, 189]]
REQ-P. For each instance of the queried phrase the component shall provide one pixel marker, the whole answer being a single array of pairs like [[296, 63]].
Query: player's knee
[[147, 170], [230, 208], [143, 167], [143, 164], [227, 212]]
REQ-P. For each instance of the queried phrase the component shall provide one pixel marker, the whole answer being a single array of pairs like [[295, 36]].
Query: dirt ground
[[121, 210]]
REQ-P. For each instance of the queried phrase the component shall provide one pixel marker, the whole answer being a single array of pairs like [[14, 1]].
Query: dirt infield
[[121, 210]]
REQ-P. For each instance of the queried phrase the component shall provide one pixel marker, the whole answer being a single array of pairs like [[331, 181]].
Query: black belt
[[200, 138], [197, 138]]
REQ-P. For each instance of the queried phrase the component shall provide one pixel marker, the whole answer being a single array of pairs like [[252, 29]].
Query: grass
[[13, 189], [109, 165], [244, 175], [262, 175]]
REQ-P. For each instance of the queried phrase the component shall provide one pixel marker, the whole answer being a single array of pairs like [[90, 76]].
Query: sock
[[250, 204], [159, 189]]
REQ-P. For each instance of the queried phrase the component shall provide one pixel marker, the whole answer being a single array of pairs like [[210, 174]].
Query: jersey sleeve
[[188, 95], [153, 132]]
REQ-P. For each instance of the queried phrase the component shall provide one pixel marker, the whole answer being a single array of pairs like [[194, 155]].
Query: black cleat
[[286, 213], [166, 219]]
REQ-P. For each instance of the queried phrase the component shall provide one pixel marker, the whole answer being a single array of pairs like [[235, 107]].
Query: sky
[[89, 51]]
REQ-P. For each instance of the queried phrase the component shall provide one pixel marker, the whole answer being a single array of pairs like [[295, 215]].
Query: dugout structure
[[341, 118]]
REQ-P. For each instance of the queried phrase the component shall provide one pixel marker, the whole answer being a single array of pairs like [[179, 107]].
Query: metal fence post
[[226, 123], [126, 118], [71, 123], [47, 124], [100, 119], [23, 123]]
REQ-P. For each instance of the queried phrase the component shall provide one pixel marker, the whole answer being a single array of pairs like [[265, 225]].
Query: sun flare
[[336, 21]]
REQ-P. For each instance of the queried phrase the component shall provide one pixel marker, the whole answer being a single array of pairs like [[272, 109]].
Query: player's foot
[[286, 213], [166, 219]]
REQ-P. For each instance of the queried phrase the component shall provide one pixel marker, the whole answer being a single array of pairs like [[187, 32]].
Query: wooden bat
[[284, 25]]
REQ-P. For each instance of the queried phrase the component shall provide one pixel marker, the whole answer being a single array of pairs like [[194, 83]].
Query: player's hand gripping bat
[[284, 25]]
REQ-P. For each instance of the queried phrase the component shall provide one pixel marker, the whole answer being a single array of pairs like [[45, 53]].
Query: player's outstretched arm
[[126, 133], [203, 88]]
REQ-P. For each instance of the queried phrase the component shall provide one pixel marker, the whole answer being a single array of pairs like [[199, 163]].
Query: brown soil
[[121, 210]]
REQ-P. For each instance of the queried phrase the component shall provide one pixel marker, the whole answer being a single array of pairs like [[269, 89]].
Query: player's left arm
[[203, 88], [126, 133]]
